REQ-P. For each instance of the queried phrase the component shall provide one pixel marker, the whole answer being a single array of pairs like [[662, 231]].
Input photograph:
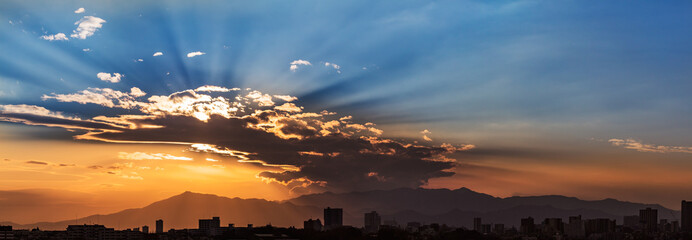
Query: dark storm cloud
[[300, 150], [354, 163]]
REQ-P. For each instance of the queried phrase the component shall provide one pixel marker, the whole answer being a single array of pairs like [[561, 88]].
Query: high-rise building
[[210, 227], [686, 216], [477, 224], [372, 222], [159, 226], [552, 226], [575, 228], [527, 226], [648, 218], [599, 225], [145, 229], [312, 225], [333, 218]]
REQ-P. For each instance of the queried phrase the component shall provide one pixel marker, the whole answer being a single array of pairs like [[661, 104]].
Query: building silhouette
[[372, 222], [477, 224], [527, 226], [210, 227], [159, 226], [312, 225], [333, 218], [145, 229], [686, 216], [90, 232], [648, 219]]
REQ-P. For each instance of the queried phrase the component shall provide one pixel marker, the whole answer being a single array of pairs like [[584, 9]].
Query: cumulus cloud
[[114, 78], [642, 147], [287, 98], [194, 54], [288, 107], [79, 10], [55, 37], [87, 26], [296, 63], [311, 150], [158, 54], [425, 135], [102, 96]]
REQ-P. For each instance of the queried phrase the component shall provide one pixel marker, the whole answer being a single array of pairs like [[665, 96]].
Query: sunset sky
[[106, 105]]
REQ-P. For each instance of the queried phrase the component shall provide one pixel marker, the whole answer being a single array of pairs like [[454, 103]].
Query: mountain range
[[452, 207]]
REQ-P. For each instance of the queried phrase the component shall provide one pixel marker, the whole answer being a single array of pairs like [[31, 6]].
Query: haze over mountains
[[453, 207]]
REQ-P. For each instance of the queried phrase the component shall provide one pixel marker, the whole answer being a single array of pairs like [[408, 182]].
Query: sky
[[101, 101]]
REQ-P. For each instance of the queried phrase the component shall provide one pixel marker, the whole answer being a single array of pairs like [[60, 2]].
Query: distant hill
[[453, 207], [458, 207], [184, 210]]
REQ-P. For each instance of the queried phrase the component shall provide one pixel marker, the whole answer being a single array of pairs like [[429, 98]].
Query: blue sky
[[538, 76]]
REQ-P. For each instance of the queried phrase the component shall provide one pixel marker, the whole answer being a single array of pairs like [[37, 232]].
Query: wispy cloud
[[333, 65], [87, 26], [150, 156], [296, 63], [643, 147], [55, 37], [114, 78], [79, 10], [158, 54], [194, 54]]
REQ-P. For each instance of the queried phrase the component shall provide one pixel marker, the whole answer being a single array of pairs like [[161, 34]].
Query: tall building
[[552, 226], [575, 228], [686, 216], [210, 227], [372, 222], [527, 226], [477, 224], [145, 229], [159, 226], [312, 225], [648, 218], [333, 218]]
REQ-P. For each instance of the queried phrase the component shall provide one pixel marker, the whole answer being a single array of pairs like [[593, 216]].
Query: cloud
[[642, 147], [87, 26], [295, 63], [158, 54], [79, 10], [242, 125], [289, 107], [425, 135], [136, 92], [102, 96], [337, 67], [86, 50], [37, 162], [210, 88], [194, 54], [108, 77], [55, 37], [286, 98], [32, 110], [150, 156]]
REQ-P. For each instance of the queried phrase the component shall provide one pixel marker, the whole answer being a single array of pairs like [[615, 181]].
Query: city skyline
[[107, 106]]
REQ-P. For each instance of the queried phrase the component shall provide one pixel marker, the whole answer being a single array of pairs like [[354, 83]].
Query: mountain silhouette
[[453, 207]]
